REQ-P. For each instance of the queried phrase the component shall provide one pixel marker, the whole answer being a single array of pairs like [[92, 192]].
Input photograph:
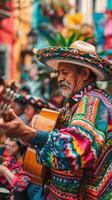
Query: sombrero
[[79, 53]]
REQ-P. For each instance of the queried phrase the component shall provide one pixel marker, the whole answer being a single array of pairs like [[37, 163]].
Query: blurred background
[[29, 24]]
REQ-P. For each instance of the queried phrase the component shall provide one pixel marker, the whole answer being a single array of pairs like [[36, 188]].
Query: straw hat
[[79, 53]]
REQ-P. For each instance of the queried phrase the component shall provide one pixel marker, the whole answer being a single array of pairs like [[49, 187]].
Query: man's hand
[[13, 126]]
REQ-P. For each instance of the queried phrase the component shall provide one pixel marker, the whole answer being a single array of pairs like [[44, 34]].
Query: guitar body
[[45, 121]]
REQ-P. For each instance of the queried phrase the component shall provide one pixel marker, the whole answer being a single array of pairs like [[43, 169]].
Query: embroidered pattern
[[80, 152]]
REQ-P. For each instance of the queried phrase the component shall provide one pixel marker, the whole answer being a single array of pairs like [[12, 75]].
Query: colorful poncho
[[79, 154]]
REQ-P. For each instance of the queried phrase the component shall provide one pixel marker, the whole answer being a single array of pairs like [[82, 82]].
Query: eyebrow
[[62, 70]]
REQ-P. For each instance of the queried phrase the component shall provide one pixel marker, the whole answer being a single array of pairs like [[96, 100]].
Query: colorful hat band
[[52, 56]]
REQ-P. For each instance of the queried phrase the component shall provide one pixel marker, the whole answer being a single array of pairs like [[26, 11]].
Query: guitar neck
[[6, 96]]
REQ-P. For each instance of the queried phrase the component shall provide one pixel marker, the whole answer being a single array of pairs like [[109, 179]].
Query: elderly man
[[78, 153]]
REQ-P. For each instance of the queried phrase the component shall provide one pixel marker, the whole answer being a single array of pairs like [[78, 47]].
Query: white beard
[[66, 93], [67, 90]]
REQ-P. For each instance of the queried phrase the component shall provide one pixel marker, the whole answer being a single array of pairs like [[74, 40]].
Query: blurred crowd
[[15, 182]]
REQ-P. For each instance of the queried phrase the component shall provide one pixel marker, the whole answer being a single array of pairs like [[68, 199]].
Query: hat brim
[[54, 65], [52, 56]]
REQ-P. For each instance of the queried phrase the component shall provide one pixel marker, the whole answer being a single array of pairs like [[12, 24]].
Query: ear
[[86, 73]]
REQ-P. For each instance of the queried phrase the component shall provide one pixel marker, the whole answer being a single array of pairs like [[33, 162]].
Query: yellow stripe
[[89, 127]]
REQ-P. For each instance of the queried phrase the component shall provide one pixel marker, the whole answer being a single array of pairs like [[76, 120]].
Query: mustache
[[63, 84]]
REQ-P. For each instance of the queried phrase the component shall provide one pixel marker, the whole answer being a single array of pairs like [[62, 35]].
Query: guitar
[[45, 121]]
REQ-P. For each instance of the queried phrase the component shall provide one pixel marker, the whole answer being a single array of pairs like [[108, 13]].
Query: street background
[[29, 24]]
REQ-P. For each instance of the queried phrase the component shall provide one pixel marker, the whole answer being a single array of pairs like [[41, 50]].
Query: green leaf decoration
[[87, 38], [55, 38], [79, 35], [62, 40], [71, 39]]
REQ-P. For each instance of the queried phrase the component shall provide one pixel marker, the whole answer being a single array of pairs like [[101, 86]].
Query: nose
[[60, 77]]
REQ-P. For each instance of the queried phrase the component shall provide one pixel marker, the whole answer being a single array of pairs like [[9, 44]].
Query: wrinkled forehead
[[66, 66]]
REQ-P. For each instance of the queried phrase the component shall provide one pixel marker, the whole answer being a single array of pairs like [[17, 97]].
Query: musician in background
[[24, 91], [78, 153], [33, 107], [12, 175], [19, 105]]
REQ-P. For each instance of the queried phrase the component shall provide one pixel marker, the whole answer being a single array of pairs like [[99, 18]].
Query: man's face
[[17, 108], [67, 78], [11, 146], [29, 112]]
